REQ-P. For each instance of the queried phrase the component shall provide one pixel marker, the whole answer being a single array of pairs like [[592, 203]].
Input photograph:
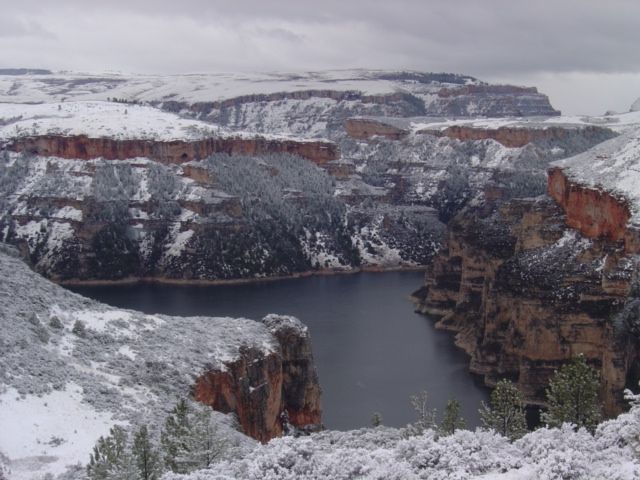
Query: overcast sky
[[585, 54]]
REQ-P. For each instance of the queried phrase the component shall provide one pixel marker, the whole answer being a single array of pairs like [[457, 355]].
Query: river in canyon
[[371, 349]]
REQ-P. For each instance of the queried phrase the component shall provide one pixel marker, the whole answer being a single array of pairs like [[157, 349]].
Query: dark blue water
[[372, 351]]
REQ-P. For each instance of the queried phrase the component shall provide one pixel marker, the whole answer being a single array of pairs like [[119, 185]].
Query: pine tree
[[376, 419], [174, 435], [111, 459], [190, 438], [505, 414], [572, 396], [452, 420], [145, 455], [426, 416]]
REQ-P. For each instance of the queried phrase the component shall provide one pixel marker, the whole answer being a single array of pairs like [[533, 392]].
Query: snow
[[69, 213], [179, 243], [49, 432], [636, 106], [99, 120], [195, 87], [613, 166], [126, 368]]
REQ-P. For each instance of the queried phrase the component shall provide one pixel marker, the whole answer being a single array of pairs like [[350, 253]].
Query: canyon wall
[[512, 137], [259, 387], [524, 293], [365, 128], [170, 152], [592, 211]]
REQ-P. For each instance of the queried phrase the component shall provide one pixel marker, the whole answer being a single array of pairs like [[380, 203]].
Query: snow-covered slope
[[391, 454], [99, 120], [62, 385], [205, 87], [635, 107]]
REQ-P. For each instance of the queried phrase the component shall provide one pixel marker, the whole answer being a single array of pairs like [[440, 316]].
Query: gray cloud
[[486, 38]]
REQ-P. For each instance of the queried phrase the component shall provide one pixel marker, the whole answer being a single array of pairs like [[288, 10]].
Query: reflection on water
[[372, 351]]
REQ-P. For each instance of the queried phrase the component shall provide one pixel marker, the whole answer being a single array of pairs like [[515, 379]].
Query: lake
[[371, 349]]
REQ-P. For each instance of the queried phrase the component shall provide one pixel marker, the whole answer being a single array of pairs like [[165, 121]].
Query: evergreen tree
[[376, 419], [190, 438], [572, 396], [505, 414], [174, 435], [145, 455], [111, 459], [452, 420]]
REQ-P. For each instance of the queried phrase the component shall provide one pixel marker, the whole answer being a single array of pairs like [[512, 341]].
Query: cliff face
[[524, 293], [593, 212], [363, 129], [259, 387], [170, 152], [511, 137]]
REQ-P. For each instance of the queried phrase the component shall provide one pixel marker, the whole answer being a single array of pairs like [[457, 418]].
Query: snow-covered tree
[[426, 415], [190, 438], [376, 419], [145, 455], [452, 420], [111, 459], [572, 396], [505, 412]]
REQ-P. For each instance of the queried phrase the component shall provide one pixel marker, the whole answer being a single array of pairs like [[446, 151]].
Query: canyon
[[527, 284], [527, 262]]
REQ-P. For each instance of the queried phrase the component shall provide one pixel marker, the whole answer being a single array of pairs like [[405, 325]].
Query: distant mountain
[[24, 71], [636, 106]]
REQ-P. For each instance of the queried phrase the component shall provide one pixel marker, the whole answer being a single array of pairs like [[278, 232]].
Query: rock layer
[[524, 294], [512, 137], [594, 212], [170, 152]]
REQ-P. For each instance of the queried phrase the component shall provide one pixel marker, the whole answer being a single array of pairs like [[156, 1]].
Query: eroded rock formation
[[593, 211], [524, 293], [259, 387], [512, 137], [82, 147]]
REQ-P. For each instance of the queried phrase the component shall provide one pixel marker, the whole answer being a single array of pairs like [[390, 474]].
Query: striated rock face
[[512, 137], [363, 129], [593, 212], [524, 294], [170, 152], [258, 388]]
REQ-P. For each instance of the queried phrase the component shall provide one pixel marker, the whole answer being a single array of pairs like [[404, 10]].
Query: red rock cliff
[[511, 137], [175, 151], [594, 212], [524, 294], [258, 387], [363, 129]]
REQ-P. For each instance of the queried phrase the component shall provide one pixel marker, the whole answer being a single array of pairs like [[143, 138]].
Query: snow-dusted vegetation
[[385, 453], [71, 368]]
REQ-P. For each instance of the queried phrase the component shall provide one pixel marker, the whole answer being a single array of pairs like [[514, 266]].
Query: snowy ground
[[61, 388], [102, 119], [194, 87]]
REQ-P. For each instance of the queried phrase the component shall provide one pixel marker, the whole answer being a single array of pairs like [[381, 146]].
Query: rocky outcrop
[[170, 152], [524, 293], [514, 137], [365, 128], [259, 387], [594, 212]]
